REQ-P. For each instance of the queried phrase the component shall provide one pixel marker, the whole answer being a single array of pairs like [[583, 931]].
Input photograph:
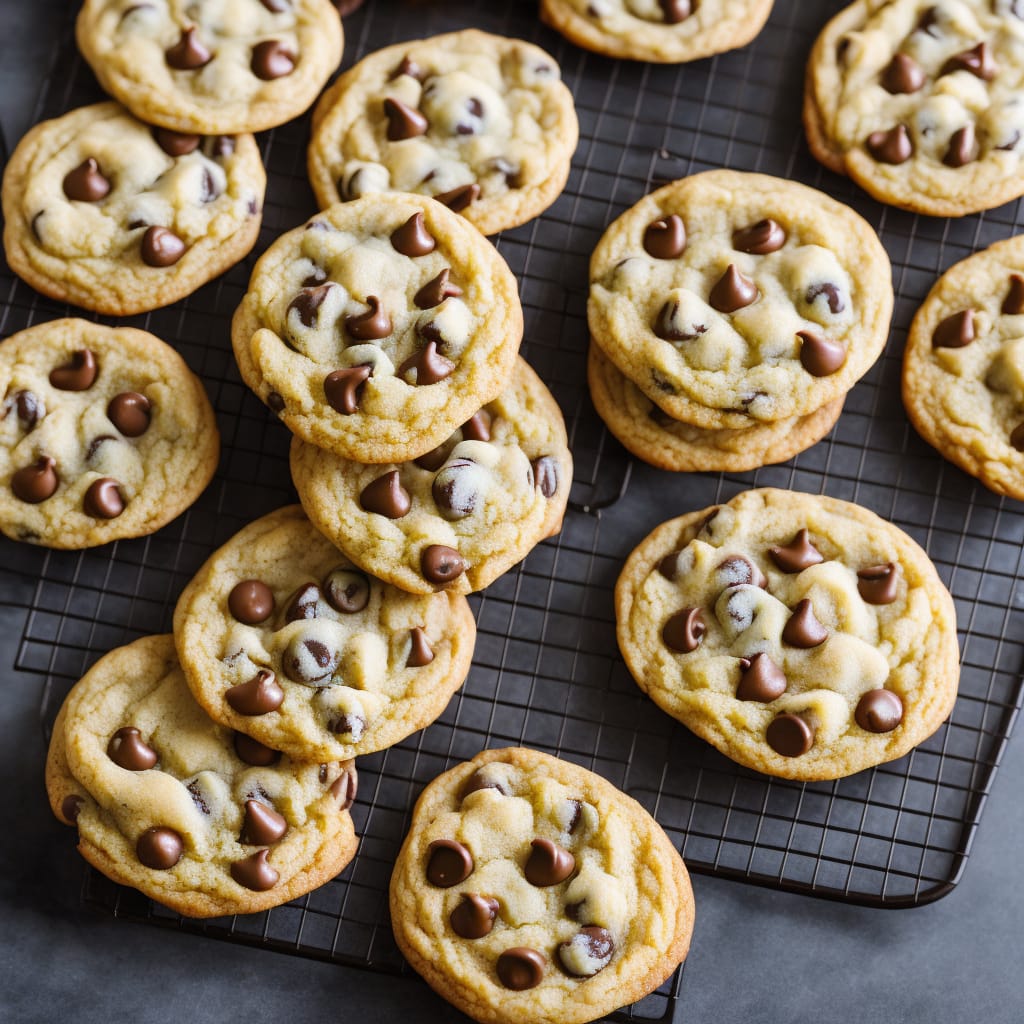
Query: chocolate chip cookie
[[116, 216], [963, 367], [197, 817], [531, 890], [731, 299], [480, 122], [652, 435], [214, 66], [458, 516], [284, 639], [802, 636], [921, 103], [104, 433], [379, 327], [662, 31]]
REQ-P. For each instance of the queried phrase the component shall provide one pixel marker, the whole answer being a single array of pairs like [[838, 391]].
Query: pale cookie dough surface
[[104, 433], [212, 65], [597, 922], [238, 828], [860, 674], [963, 368], [662, 31], [494, 489], [108, 213], [652, 435], [396, 387], [949, 117], [327, 662], [481, 122], [724, 338]]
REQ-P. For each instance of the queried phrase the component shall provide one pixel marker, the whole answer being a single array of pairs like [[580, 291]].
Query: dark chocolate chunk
[[1017, 437], [407, 67], [449, 863], [479, 780], [128, 750], [29, 408], [453, 489], [251, 602], [348, 724], [257, 696]]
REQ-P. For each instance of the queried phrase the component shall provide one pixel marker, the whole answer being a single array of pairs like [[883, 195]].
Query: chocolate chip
[[892, 146], [432, 460], [161, 247], [473, 917], [420, 653], [313, 280], [344, 388], [1017, 437], [251, 602], [428, 365], [407, 67], [344, 789], [665, 239], [257, 696], [35, 483], [412, 238], [29, 406], [386, 496], [879, 711], [372, 325], [675, 11], [404, 122], [477, 427], [275, 402], [587, 952], [130, 412], [668, 566], [737, 570], [103, 499], [789, 735], [78, 375], [820, 356], [1012, 305], [832, 294], [303, 604], [577, 813], [761, 238], [929, 23], [253, 752], [978, 61], [272, 59], [346, 591], [128, 750], [308, 302], [440, 564], [903, 75], [210, 190], [510, 172], [454, 488], [797, 555], [803, 628], [760, 679], [667, 325], [548, 863], [733, 291], [684, 630], [348, 724], [159, 848], [86, 182], [878, 584], [95, 444], [436, 290], [176, 143], [262, 825], [189, 52], [449, 863], [520, 968], [459, 198], [71, 807], [963, 147], [955, 331], [198, 797], [309, 661], [480, 780], [545, 475], [255, 873]]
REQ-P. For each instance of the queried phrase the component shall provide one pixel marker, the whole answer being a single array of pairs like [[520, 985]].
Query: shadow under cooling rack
[[547, 673]]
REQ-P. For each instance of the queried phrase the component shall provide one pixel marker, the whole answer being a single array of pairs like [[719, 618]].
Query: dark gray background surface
[[757, 956]]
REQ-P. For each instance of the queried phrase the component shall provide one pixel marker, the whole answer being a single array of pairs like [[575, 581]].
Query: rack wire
[[546, 672]]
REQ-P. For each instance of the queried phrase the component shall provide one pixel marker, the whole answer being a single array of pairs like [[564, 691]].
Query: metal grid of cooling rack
[[546, 672]]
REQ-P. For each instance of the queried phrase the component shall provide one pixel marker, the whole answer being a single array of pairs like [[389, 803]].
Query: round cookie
[[921, 103], [531, 891], [282, 638], [104, 433], [660, 31], [459, 516], [802, 636], [202, 820], [480, 122], [379, 327], [115, 216], [214, 66], [652, 435], [732, 299], [963, 367]]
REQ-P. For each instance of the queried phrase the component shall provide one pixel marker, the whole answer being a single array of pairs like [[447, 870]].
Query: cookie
[[201, 819], [802, 636], [217, 66], [108, 213], [963, 367], [660, 31], [531, 890], [732, 299], [456, 518], [379, 327], [644, 429], [104, 433], [480, 122], [920, 103], [284, 639]]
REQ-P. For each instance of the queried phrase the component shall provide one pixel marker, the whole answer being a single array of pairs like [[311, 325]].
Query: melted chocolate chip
[[520, 968], [86, 183], [161, 247], [789, 735], [272, 59], [346, 591], [308, 302], [344, 388], [307, 660], [761, 238], [596, 946], [372, 325], [760, 679], [404, 122], [732, 291], [459, 198], [348, 724], [478, 781], [473, 917], [902, 75], [429, 366], [407, 67], [128, 750], [667, 327], [303, 604], [879, 711], [386, 497], [892, 146], [159, 848], [344, 789], [963, 147], [420, 653], [978, 61], [78, 375], [449, 863], [453, 489], [435, 291], [832, 295], [210, 190], [684, 630], [797, 555], [668, 566], [255, 753], [1012, 305], [545, 475], [878, 584], [130, 412], [189, 52], [820, 356], [738, 570], [255, 873], [548, 863], [29, 408], [257, 696], [665, 239], [803, 628], [262, 825], [955, 331], [34, 484], [103, 499], [412, 238], [251, 602], [440, 564], [176, 143]]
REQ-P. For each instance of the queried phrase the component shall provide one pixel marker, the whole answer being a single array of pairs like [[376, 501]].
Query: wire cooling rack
[[547, 673]]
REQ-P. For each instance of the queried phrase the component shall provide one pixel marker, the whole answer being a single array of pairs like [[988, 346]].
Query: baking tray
[[547, 673]]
